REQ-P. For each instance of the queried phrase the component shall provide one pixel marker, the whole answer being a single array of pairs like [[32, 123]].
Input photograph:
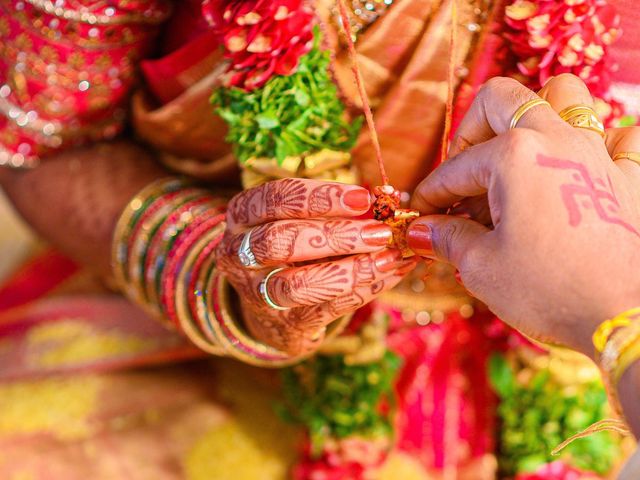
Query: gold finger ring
[[524, 109], [632, 156], [583, 116], [264, 290]]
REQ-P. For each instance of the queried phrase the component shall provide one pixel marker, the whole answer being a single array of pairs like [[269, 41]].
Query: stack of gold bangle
[[617, 342], [157, 238], [164, 259]]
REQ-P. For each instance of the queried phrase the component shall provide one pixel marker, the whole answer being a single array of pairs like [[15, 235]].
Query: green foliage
[[290, 115], [537, 417], [336, 400], [628, 121]]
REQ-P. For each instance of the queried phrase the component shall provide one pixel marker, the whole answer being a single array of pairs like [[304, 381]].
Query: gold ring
[[524, 109], [264, 290], [583, 116], [631, 156]]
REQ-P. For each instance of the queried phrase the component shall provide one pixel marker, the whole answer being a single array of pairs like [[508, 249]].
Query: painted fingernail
[[388, 260], [458, 278], [357, 199], [406, 267], [376, 234], [419, 240]]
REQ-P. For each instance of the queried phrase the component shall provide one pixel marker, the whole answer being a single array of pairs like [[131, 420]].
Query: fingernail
[[376, 234], [406, 267], [419, 240], [357, 199], [388, 260], [458, 277]]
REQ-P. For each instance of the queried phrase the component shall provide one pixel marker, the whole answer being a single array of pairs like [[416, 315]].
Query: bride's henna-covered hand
[[335, 263]]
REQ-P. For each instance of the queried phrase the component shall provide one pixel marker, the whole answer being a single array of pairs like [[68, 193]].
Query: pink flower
[[262, 38], [558, 471], [550, 37]]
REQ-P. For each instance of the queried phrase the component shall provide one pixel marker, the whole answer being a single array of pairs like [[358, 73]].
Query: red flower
[[558, 471], [550, 37], [262, 38]]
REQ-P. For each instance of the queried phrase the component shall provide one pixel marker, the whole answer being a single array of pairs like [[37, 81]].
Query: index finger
[[295, 198], [466, 175], [491, 112]]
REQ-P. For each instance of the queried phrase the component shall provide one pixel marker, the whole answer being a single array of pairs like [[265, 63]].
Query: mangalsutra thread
[[344, 17]]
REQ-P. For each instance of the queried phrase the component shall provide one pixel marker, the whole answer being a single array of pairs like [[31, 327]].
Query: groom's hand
[[563, 253]]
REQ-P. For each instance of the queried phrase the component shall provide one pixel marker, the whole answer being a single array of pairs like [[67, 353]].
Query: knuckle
[[632, 133], [460, 143], [475, 268], [473, 260], [496, 83], [567, 80], [260, 244], [279, 290], [444, 238], [496, 86], [520, 142], [345, 304], [275, 242]]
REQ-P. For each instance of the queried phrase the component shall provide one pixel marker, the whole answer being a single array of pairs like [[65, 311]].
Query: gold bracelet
[[620, 352], [630, 356], [606, 328], [622, 349]]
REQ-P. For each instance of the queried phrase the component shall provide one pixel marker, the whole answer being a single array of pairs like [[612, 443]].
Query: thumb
[[447, 238]]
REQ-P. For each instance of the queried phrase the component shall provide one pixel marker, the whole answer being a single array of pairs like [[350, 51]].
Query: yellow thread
[[606, 328], [606, 425], [628, 356]]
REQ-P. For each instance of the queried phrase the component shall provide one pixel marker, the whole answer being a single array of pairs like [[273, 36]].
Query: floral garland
[[262, 38], [290, 115], [551, 37], [280, 103], [346, 411], [563, 36]]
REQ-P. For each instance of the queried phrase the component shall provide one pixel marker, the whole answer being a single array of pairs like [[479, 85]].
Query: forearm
[[629, 394], [74, 199]]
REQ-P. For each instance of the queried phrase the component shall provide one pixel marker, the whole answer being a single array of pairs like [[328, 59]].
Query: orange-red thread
[[451, 72], [361, 90]]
